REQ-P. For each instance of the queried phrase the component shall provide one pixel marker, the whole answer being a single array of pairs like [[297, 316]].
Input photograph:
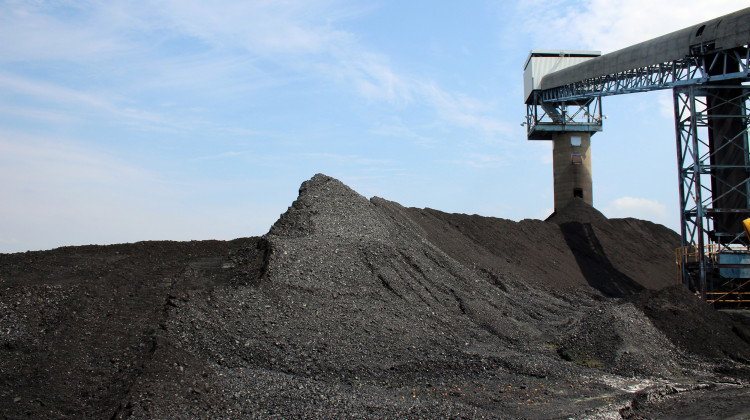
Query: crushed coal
[[361, 308]]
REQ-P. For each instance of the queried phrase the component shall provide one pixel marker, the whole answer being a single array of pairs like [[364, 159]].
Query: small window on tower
[[578, 192], [575, 141], [576, 158]]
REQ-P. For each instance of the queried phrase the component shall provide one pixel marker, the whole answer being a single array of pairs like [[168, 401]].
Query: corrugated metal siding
[[538, 67]]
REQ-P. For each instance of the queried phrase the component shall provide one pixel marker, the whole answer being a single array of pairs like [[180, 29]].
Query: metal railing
[[689, 258]]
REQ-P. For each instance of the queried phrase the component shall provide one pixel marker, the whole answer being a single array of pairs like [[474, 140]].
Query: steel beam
[[723, 65]]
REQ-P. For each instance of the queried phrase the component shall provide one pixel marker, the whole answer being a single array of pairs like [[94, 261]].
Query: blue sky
[[123, 121]]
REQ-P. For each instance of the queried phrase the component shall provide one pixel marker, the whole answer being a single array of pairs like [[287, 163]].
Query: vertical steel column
[[698, 186], [690, 167], [684, 190]]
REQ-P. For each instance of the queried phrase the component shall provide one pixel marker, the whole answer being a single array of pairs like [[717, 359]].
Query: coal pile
[[361, 308]]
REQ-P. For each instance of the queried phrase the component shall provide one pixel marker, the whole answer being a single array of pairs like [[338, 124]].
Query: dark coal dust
[[357, 308]]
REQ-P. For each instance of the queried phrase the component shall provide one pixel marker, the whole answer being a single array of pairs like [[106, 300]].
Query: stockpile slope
[[347, 307], [576, 247], [532, 251], [359, 313], [693, 325], [638, 249]]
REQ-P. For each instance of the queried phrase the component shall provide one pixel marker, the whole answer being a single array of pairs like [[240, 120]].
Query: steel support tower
[[707, 66]]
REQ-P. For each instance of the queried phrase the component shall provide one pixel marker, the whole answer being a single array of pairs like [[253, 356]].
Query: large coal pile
[[361, 308], [79, 325], [586, 248]]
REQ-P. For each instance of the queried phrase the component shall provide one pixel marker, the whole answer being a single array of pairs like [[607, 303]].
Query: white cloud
[[219, 156], [223, 49], [350, 160], [542, 149], [54, 102], [61, 190], [481, 160], [30, 30], [267, 27], [464, 111], [608, 25], [298, 35], [371, 75], [49, 91], [68, 193], [639, 208], [545, 213], [401, 130], [666, 104], [83, 29], [35, 113]]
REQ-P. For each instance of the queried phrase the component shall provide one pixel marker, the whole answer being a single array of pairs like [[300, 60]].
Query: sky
[[123, 121]]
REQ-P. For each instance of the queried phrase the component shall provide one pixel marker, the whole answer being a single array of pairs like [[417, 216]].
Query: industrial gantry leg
[[714, 179]]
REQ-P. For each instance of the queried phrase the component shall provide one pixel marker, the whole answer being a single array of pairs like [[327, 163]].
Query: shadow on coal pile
[[595, 267], [351, 307]]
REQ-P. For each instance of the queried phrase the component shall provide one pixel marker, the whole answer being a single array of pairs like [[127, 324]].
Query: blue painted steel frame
[[545, 118], [689, 70], [700, 263]]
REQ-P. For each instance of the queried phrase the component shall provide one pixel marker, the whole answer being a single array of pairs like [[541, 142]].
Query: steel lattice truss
[[570, 107], [699, 69]]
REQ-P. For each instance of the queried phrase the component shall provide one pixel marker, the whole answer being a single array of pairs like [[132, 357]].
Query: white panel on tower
[[543, 62]]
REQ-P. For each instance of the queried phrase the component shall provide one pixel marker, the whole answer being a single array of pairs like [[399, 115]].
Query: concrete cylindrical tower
[[571, 161]]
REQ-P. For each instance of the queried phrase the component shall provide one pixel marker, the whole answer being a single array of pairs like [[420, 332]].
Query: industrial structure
[[707, 66], [569, 125]]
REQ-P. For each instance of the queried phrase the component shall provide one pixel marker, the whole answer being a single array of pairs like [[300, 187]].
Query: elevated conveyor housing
[[723, 33]]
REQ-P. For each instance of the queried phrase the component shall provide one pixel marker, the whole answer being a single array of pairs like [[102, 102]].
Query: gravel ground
[[362, 308]]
